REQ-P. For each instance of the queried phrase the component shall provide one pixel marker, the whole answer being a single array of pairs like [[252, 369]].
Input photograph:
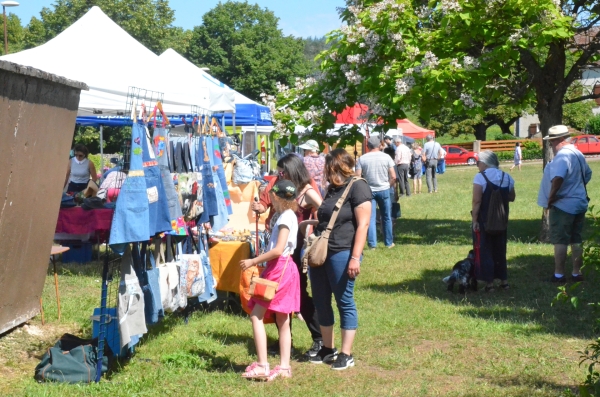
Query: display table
[[78, 221], [225, 257]]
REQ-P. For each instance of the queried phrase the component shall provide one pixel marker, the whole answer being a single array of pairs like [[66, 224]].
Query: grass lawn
[[415, 339]]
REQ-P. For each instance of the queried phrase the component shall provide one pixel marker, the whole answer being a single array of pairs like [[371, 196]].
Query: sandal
[[504, 286], [252, 373], [279, 372]]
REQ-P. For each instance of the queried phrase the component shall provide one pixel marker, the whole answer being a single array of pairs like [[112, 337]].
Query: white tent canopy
[[97, 51]]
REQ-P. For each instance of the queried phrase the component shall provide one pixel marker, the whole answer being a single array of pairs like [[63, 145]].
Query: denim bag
[[131, 221], [149, 281], [158, 208], [217, 162], [210, 291]]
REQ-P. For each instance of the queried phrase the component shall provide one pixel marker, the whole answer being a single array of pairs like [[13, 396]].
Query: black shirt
[[391, 150], [344, 229]]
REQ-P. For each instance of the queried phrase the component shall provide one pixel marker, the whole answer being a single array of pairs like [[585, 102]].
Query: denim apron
[[217, 160], [131, 220], [158, 208], [161, 154], [209, 195], [221, 218]]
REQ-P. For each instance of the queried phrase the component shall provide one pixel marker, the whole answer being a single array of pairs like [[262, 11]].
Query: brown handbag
[[316, 246], [263, 289]]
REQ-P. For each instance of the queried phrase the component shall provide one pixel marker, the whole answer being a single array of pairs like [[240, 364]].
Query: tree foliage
[[313, 46], [243, 47], [15, 33], [396, 55]]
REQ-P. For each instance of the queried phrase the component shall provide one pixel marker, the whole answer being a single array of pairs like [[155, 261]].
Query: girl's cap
[[284, 189]]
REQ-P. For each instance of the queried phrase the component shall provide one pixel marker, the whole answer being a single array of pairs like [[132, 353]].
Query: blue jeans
[[382, 199], [332, 278]]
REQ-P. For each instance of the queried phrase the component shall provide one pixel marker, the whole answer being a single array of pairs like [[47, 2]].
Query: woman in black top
[[344, 253]]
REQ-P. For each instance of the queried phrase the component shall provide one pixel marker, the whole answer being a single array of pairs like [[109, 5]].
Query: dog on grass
[[463, 273]]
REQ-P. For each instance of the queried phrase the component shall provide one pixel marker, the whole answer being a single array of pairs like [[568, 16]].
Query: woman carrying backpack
[[493, 189]]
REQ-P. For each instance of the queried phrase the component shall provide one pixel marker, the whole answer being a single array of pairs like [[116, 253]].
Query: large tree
[[14, 32], [457, 54], [243, 47], [148, 21]]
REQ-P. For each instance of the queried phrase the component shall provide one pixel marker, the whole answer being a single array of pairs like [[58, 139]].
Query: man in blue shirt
[[564, 194]]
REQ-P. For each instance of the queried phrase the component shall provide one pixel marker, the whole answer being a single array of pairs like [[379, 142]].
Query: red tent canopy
[[412, 130], [356, 114]]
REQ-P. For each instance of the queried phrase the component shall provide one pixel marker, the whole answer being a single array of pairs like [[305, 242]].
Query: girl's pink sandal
[[279, 372], [253, 372]]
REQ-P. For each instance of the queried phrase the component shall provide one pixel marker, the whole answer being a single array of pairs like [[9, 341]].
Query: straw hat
[[558, 131]]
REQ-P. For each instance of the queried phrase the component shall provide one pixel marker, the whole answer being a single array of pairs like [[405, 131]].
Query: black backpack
[[497, 216]]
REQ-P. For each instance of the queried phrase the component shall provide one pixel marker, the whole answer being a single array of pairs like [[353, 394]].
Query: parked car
[[458, 155], [587, 144]]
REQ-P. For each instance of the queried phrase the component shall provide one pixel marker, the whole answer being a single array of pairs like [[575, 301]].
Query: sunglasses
[[80, 155]]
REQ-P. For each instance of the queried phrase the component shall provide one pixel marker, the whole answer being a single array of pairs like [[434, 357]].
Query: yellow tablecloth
[[225, 258]]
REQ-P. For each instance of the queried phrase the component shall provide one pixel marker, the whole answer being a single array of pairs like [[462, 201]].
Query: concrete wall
[[37, 120]]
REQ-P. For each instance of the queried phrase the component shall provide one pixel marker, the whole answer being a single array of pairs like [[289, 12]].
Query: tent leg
[[233, 122], [101, 155]]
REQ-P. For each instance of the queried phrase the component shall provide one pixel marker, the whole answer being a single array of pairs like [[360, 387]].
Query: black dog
[[463, 273]]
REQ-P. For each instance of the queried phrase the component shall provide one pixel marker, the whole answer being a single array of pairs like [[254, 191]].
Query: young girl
[[287, 297]]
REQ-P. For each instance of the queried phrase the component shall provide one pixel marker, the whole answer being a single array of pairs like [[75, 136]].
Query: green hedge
[[528, 154], [95, 158]]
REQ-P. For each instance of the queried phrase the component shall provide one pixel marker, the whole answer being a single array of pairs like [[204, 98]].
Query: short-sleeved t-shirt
[[432, 150], [287, 218], [570, 165], [495, 176], [375, 168], [344, 229]]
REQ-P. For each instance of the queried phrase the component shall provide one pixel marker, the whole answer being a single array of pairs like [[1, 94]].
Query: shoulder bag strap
[[582, 174], [338, 206], [285, 267]]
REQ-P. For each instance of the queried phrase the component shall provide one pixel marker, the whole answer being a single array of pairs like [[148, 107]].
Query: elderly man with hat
[[315, 163], [563, 192], [378, 170]]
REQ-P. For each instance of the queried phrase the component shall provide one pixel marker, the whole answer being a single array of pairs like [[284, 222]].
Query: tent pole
[[101, 154], [256, 143], [233, 123]]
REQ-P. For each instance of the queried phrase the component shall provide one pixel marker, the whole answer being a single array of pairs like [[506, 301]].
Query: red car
[[587, 144], [458, 155]]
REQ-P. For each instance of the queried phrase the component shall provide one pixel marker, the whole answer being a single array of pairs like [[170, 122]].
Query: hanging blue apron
[[160, 220], [209, 195], [217, 160], [162, 158], [131, 217], [221, 218]]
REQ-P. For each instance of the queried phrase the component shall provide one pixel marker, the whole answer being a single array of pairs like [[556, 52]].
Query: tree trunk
[[480, 131]]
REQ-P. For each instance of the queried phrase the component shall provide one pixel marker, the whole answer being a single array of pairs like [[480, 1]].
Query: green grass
[[415, 339]]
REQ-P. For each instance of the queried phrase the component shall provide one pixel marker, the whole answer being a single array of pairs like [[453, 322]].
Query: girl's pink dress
[[287, 297]]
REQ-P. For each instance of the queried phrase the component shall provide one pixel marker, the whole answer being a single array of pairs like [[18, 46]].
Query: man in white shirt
[[432, 151], [378, 170], [563, 192], [402, 159]]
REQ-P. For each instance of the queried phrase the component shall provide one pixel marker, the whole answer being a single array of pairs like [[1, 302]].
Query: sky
[[300, 18]]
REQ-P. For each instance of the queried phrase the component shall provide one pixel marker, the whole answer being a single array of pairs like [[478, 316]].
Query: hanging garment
[[221, 218], [188, 198], [131, 221], [132, 320], [217, 161], [209, 194], [187, 159], [210, 291], [158, 207], [160, 151], [149, 282]]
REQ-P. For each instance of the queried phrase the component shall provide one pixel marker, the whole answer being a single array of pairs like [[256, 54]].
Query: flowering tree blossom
[[461, 55]]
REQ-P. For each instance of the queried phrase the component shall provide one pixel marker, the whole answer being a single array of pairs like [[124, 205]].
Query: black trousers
[[307, 307], [403, 181]]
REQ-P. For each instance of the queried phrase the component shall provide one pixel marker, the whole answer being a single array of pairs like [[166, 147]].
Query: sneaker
[[314, 349], [343, 361], [559, 280], [391, 246], [577, 278], [324, 355]]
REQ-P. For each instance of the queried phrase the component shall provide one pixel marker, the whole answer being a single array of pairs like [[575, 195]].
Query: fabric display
[[132, 319], [150, 282]]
